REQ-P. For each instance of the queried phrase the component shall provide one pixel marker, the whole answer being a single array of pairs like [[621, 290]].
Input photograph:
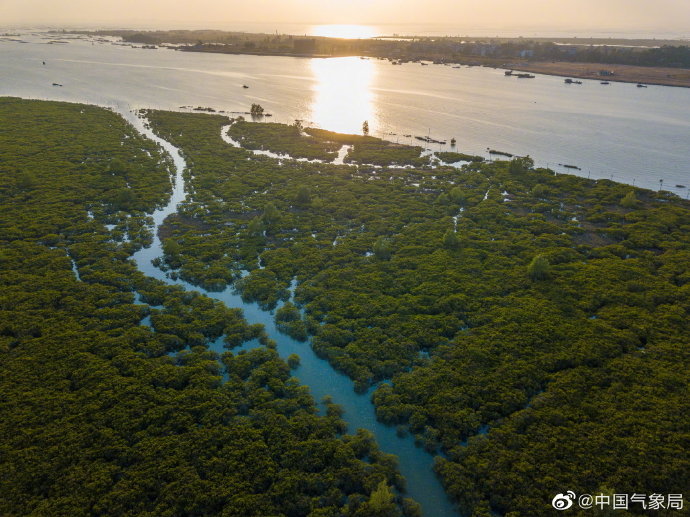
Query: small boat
[[57, 84], [680, 186], [605, 82], [640, 85], [571, 81], [508, 72], [245, 86], [524, 76], [571, 166]]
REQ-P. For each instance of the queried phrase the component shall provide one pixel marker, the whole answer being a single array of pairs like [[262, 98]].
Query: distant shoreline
[[224, 50], [656, 76], [646, 61], [653, 76]]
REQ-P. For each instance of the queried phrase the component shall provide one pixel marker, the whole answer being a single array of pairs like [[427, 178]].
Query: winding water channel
[[416, 465]]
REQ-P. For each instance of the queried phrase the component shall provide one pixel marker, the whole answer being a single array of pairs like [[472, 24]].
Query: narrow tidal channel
[[415, 464]]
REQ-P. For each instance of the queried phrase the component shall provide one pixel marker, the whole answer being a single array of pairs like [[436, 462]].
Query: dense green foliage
[[374, 151], [98, 415], [257, 110], [538, 269], [282, 139], [454, 157], [497, 296], [629, 200], [369, 150], [289, 320]]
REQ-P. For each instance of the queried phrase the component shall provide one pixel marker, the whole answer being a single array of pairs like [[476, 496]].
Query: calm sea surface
[[618, 131]]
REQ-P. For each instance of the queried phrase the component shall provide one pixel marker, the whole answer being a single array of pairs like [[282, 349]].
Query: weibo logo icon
[[563, 501]]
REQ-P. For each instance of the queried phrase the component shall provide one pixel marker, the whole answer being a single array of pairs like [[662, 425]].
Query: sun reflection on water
[[343, 96]]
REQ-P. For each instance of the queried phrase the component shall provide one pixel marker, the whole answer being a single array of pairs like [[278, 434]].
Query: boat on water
[[640, 85], [572, 81], [680, 186], [508, 72], [605, 82], [245, 86], [525, 76], [57, 84]]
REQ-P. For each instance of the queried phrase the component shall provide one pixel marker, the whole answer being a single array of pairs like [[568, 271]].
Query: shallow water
[[629, 134], [415, 464]]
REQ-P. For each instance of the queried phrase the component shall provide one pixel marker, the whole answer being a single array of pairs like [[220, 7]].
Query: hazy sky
[[582, 15]]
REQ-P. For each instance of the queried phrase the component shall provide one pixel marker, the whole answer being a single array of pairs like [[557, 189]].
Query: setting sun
[[345, 31]]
